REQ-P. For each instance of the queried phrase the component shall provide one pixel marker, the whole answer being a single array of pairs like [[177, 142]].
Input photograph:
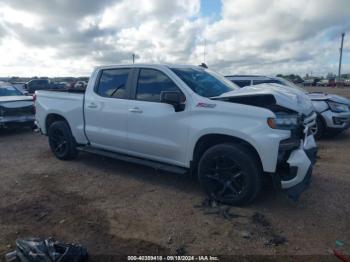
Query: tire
[[320, 128], [333, 132], [61, 141], [230, 174]]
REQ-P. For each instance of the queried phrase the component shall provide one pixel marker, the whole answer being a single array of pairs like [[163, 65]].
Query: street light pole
[[341, 54]]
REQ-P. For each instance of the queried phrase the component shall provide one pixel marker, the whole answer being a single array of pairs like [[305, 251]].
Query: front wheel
[[230, 174], [61, 141], [319, 129]]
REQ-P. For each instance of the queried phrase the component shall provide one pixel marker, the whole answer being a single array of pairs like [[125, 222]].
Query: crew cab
[[333, 111], [185, 119]]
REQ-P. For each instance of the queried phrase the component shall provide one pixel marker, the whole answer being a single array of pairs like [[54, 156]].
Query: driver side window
[[151, 83]]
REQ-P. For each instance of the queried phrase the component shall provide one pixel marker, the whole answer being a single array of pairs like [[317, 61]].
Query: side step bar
[[136, 160]]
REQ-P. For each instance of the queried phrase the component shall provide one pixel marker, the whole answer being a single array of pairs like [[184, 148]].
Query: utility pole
[[341, 54], [133, 58]]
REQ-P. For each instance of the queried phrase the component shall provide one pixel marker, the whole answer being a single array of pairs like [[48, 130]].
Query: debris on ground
[[339, 243], [273, 238], [212, 207], [276, 240], [340, 256], [260, 219], [48, 250], [181, 251], [246, 234]]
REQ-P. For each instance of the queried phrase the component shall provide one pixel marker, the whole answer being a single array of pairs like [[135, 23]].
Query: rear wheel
[[61, 141], [230, 174]]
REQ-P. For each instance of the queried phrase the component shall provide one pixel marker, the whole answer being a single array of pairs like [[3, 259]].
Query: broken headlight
[[337, 107], [284, 121]]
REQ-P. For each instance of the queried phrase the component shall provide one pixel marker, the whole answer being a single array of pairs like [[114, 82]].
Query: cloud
[[250, 36], [264, 36]]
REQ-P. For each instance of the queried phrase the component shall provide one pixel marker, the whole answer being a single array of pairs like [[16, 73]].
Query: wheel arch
[[53, 117], [209, 140]]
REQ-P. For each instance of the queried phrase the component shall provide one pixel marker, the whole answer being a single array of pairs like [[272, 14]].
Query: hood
[[330, 97], [272, 96], [15, 98]]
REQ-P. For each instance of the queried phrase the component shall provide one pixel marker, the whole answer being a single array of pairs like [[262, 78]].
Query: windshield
[[9, 91], [204, 82]]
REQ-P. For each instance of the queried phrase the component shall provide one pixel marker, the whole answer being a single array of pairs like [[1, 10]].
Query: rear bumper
[[17, 121]]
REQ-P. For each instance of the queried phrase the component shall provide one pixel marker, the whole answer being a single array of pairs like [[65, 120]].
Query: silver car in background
[[333, 111], [16, 109]]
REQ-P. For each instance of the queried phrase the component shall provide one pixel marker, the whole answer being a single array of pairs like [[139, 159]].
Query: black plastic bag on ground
[[48, 250]]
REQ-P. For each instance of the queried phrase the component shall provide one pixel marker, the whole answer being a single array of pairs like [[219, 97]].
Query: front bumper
[[336, 121], [295, 169], [17, 121]]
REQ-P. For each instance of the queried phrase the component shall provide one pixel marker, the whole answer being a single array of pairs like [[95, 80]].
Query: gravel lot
[[116, 208]]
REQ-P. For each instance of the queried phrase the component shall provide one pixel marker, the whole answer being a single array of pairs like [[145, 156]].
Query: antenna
[[133, 58], [204, 49]]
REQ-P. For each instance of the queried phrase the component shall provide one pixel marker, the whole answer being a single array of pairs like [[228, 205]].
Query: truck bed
[[62, 103]]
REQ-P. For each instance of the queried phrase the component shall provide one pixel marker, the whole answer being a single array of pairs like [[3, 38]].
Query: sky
[[70, 38]]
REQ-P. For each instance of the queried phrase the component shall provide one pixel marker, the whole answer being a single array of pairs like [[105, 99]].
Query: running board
[[135, 160]]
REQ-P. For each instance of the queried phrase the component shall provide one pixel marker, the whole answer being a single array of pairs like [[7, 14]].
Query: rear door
[[106, 109], [155, 130]]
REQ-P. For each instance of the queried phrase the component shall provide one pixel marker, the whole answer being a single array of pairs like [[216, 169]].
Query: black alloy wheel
[[230, 174]]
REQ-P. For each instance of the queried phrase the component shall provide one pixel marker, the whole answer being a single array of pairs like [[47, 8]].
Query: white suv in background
[[333, 111]]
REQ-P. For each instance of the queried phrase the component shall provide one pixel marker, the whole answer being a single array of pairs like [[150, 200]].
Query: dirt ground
[[116, 208]]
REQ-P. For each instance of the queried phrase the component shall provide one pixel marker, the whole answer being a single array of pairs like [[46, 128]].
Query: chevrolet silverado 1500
[[186, 119]]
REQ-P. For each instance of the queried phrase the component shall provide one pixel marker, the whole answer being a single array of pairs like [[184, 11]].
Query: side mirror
[[173, 98]]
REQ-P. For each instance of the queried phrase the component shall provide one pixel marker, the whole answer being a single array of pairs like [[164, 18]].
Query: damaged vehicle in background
[[16, 109], [333, 111], [183, 118]]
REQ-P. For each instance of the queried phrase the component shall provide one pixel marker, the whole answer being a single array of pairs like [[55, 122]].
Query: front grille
[[310, 120]]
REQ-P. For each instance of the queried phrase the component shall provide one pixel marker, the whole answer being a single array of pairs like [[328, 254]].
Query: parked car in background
[[37, 84], [323, 82], [333, 111], [16, 109], [186, 118], [20, 86], [80, 84]]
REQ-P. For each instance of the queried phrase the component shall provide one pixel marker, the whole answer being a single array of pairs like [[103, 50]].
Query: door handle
[[92, 105], [135, 110]]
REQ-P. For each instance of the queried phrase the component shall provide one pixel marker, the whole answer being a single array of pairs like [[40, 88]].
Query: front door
[[155, 130]]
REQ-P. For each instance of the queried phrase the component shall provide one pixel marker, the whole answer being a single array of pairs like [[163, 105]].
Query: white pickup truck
[[184, 118]]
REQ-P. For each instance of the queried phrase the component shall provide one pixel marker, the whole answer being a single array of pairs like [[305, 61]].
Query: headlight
[[284, 121], [337, 107]]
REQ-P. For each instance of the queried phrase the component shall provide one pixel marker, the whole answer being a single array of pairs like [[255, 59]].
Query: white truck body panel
[[155, 131]]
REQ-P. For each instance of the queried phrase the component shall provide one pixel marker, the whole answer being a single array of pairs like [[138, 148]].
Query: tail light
[[34, 99]]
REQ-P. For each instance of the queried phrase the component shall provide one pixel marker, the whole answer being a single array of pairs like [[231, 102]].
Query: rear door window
[[113, 82]]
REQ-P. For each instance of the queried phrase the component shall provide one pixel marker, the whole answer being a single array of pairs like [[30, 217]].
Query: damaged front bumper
[[336, 121], [295, 165]]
